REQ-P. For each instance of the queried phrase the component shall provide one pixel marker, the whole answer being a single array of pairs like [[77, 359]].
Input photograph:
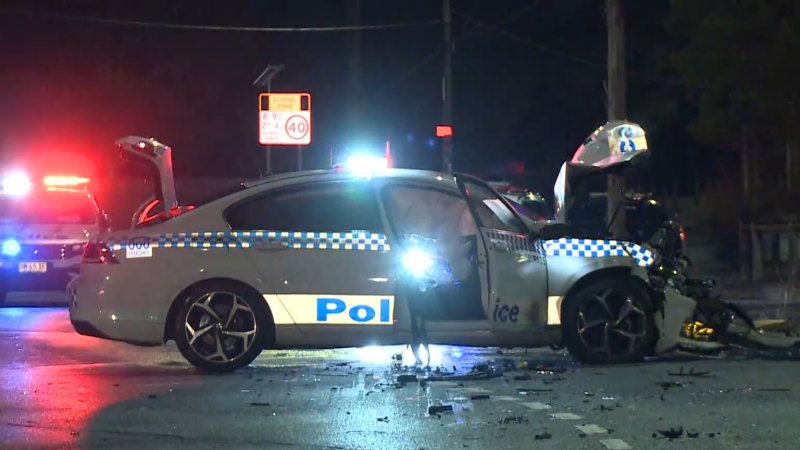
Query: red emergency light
[[62, 181], [444, 131]]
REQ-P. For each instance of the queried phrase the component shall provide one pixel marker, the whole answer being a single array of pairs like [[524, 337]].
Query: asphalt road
[[62, 390]]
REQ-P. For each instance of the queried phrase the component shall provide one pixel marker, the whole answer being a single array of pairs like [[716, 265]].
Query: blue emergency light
[[11, 247]]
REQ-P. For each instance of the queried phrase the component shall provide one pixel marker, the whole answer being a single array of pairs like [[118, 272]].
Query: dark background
[[528, 82]]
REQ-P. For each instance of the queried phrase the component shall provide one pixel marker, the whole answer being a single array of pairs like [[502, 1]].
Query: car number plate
[[36, 267]]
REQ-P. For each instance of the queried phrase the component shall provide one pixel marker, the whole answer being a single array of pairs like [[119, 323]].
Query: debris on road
[[543, 436], [690, 373], [669, 384], [406, 378], [480, 397], [547, 369], [513, 419], [692, 433], [532, 391], [439, 409], [383, 419], [259, 404], [672, 433]]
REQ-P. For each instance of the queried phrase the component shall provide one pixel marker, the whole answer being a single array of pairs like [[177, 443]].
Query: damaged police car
[[350, 258]]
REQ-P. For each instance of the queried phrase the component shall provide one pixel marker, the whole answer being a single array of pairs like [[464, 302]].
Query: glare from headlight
[[417, 261], [11, 247]]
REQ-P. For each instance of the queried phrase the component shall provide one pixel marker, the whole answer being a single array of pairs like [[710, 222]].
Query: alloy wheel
[[612, 323], [220, 326]]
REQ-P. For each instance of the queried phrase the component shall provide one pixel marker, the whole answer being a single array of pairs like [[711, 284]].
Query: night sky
[[528, 79]]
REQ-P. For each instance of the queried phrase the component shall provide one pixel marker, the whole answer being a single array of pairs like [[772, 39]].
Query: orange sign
[[284, 119]]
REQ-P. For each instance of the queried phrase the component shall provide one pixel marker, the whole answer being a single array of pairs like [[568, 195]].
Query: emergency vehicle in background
[[45, 222]]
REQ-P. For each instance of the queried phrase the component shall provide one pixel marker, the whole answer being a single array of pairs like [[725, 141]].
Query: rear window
[[48, 207]]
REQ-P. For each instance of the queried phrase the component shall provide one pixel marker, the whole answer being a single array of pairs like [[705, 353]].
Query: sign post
[[285, 119]]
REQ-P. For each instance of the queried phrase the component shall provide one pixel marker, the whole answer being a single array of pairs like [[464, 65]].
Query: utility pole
[[265, 79], [353, 87], [615, 22], [447, 87]]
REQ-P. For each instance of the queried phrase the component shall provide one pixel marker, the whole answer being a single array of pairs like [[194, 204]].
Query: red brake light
[[683, 234], [98, 253]]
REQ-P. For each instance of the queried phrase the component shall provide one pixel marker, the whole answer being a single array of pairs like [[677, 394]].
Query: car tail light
[[683, 234], [98, 253]]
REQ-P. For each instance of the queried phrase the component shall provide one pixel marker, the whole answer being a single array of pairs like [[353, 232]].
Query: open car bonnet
[[608, 149]]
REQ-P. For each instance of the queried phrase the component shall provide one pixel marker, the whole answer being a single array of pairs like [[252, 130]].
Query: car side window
[[328, 207], [428, 212], [490, 209]]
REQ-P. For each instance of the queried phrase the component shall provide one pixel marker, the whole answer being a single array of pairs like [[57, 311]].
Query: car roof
[[327, 175]]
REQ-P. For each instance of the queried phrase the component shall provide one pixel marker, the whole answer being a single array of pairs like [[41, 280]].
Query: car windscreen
[[63, 207], [527, 212]]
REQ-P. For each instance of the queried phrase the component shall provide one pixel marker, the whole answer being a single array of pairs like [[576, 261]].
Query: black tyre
[[609, 321], [221, 327]]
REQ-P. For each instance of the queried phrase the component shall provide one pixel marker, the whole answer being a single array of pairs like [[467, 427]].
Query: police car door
[[320, 249], [515, 264]]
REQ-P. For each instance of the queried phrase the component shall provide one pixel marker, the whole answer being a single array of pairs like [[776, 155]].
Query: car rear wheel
[[220, 327], [609, 321]]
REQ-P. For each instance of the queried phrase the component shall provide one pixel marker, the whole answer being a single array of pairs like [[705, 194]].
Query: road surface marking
[[565, 416], [538, 406], [615, 444], [591, 429], [505, 398]]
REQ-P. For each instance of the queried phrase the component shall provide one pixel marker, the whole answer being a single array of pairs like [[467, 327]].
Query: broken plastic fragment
[[672, 433]]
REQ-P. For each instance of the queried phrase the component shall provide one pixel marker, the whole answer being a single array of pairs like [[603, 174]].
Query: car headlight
[[11, 247], [417, 261]]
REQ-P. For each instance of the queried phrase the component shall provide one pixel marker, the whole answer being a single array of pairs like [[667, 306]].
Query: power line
[[571, 57], [430, 56], [179, 26], [528, 42]]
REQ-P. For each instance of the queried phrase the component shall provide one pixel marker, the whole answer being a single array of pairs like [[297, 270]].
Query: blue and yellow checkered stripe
[[591, 248], [353, 240]]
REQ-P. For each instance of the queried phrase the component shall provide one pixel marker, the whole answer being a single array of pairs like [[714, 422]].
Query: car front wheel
[[609, 321], [220, 327]]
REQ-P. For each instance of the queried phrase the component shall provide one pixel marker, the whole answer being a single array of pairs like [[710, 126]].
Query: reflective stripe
[[591, 248], [354, 240]]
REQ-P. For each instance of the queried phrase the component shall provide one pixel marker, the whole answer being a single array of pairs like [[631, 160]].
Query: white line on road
[[615, 444], [505, 398], [537, 406], [476, 390], [565, 416], [591, 429]]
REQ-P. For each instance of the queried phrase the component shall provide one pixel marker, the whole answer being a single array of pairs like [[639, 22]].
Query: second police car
[[44, 224], [340, 258]]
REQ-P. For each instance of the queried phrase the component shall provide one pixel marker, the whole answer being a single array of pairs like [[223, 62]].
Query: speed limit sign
[[284, 119], [297, 127]]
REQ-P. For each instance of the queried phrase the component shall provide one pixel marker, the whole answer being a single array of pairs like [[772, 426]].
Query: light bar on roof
[[59, 180]]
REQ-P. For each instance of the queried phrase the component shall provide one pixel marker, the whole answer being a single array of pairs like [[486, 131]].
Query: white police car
[[337, 258], [44, 225]]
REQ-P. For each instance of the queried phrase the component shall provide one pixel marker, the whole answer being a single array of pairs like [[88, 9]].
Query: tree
[[740, 60]]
